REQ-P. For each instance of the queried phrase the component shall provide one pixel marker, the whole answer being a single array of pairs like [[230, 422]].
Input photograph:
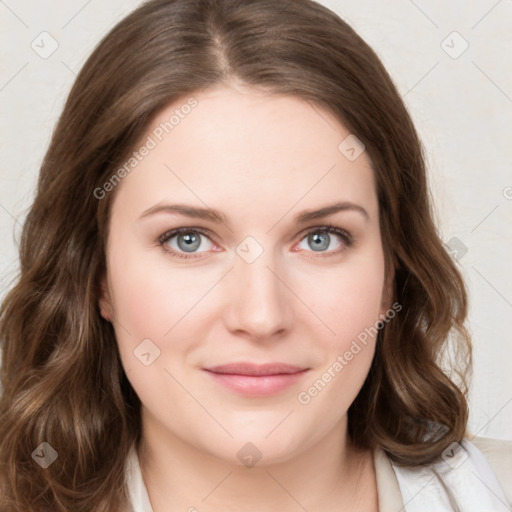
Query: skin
[[260, 159]]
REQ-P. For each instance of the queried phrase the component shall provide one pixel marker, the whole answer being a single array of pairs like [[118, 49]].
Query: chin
[[257, 448]]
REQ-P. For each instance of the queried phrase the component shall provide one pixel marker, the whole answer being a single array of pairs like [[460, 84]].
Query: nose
[[260, 304]]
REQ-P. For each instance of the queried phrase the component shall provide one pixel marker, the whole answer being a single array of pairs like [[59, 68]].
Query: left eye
[[188, 240], [320, 239]]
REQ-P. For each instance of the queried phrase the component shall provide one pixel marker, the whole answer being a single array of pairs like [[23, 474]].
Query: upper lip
[[244, 368]]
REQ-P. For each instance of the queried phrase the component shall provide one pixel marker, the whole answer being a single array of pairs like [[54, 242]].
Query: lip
[[245, 368], [256, 380]]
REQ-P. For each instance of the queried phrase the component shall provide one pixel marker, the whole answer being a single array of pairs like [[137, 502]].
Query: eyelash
[[347, 238]]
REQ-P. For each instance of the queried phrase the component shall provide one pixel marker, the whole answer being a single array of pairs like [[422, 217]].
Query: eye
[[187, 241], [320, 239], [183, 242]]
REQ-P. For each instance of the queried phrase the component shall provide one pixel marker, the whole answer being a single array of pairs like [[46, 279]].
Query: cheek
[[147, 304], [347, 300], [351, 308], [140, 305], [148, 299], [156, 301]]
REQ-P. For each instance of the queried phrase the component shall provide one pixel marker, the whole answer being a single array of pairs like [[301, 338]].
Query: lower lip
[[263, 385]]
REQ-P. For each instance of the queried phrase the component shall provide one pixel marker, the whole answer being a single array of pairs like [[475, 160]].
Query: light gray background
[[461, 104]]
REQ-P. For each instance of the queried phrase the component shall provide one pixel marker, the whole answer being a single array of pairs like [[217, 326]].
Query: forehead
[[253, 148]]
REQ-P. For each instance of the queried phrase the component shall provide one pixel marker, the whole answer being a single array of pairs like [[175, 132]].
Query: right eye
[[180, 242]]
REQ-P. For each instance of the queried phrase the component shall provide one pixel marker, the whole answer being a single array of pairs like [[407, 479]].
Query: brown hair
[[62, 379]]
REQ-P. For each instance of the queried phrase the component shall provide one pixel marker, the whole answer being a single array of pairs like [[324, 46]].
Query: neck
[[330, 475]]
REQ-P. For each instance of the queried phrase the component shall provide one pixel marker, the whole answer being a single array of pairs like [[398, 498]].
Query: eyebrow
[[217, 217]]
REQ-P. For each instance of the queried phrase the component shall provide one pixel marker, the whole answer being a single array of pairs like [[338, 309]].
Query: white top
[[465, 472], [463, 469], [136, 487]]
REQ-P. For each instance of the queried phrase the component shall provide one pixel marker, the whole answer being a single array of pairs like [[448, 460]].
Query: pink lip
[[257, 380]]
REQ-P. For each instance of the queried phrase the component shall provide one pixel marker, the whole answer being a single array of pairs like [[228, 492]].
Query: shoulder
[[475, 474], [498, 453]]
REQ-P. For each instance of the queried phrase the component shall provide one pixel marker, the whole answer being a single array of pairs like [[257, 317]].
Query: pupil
[[191, 242], [320, 242]]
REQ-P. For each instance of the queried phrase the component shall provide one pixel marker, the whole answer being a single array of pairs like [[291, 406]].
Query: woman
[[232, 294]]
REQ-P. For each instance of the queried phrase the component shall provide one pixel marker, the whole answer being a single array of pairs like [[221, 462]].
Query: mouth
[[256, 380]]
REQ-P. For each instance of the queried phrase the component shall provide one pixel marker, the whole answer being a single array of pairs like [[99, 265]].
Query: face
[[261, 280]]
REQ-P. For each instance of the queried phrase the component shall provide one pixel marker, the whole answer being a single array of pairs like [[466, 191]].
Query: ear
[[104, 301]]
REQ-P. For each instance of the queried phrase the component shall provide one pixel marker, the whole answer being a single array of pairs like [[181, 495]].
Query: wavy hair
[[62, 379]]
